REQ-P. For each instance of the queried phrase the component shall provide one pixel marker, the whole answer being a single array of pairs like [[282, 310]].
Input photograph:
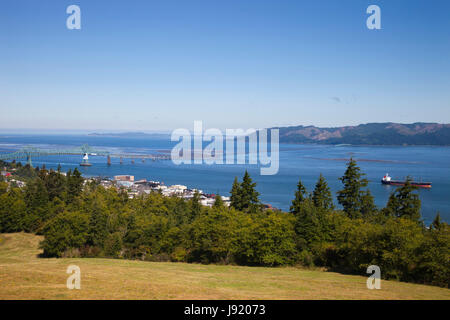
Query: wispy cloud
[[336, 99]]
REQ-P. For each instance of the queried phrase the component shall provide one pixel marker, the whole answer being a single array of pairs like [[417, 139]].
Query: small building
[[226, 201], [106, 183], [178, 189], [124, 178], [208, 202], [126, 184]]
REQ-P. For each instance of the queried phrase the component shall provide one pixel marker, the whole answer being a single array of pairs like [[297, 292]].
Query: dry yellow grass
[[25, 276]]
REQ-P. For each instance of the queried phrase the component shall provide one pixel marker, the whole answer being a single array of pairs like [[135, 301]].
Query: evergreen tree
[[404, 202], [249, 195], [36, 200], [300, 197], [235, 192], [311, 224], [436, 224], [353, 198], [55, 184], [218, 202], [113, 245], [74, 184], [43, 172], [368, 208], [321, 195], [66, 230], [36, 195], [12, 211], [98, 225], [196, 207], [3, 187]]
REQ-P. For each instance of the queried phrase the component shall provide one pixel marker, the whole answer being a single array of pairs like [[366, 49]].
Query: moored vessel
[[388, 181]]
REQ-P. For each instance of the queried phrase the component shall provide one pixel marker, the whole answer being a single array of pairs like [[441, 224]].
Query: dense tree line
[[83, 219]]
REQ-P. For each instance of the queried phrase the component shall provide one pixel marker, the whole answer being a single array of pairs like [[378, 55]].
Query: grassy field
[[25, 276]]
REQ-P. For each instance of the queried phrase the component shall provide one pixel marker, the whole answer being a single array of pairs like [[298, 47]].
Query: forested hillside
[[370, 134], [83, 219]]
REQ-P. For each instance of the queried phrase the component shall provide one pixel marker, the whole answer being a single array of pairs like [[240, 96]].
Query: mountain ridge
[[380, 133]]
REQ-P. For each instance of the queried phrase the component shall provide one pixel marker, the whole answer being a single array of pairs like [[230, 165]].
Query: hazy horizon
[[163, 131]]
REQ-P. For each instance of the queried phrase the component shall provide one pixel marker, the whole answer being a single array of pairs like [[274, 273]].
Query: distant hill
[[130, 134], [370, 134]]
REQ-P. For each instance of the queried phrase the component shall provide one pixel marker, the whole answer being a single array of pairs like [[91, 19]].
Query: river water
[[296, 161]]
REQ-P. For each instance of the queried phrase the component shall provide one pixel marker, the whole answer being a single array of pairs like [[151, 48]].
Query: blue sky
[[156, 65]]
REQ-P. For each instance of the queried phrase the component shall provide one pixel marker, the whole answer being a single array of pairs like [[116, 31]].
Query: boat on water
[[388, 180], [85, 162]]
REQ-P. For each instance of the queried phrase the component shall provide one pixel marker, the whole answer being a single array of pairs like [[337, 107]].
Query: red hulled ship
[[388, 180]]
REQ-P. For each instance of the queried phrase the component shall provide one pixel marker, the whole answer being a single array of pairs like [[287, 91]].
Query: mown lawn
[[25, 276]]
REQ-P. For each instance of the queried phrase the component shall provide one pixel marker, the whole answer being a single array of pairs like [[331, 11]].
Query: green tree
[[113, 245], [25, 172], [55, 184], [368, 208], [436, 224], [218, 202], [36, 195], [236, 195], [268, 240], [249, 196], [196, 207], [404, 202], [74, 185], [433, 267], [65, 231], [311, 225], [98, 224], [42, 172], [394, 246], [36, 200], [300, 197], [3, 187], [212, 236], [12, 211], [321, 195], [355, 201]]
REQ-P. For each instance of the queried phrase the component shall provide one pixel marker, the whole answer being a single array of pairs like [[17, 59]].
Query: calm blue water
[[296, 161]]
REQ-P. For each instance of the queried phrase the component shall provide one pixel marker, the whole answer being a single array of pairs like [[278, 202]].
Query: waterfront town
[[142, 187], [133, 187]]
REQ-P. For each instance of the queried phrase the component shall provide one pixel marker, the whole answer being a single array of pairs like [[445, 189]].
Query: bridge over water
[[85, 151]]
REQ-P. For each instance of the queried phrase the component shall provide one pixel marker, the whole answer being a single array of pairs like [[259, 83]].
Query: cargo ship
[[388, 180]]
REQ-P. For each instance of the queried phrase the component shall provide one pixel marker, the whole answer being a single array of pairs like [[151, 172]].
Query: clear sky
[[155, 65]]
